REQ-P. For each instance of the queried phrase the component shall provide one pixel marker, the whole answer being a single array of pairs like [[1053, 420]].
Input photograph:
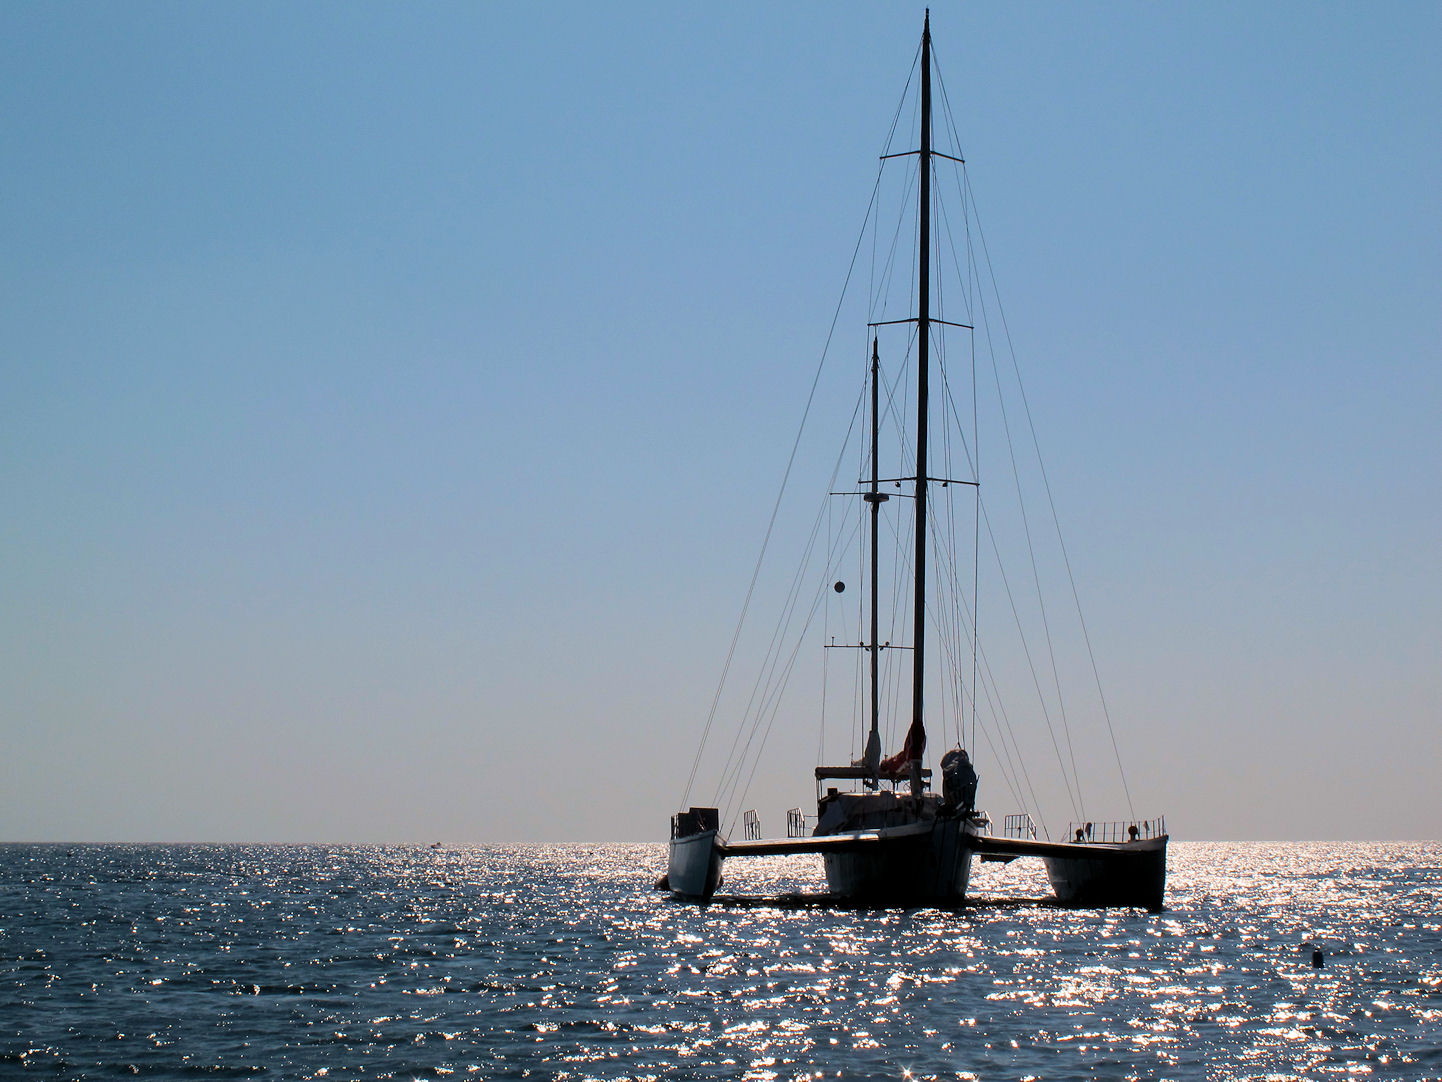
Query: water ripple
[[557, 962]]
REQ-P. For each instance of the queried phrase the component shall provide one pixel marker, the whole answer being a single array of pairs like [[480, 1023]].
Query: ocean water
[[560, 962]]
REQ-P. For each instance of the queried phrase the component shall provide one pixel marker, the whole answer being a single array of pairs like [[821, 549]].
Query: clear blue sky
[[391, 396]]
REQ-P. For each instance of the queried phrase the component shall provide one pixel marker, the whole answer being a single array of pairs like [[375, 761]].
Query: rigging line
[[1003, 763], [966, 211], [771, 659], [825, 654], [774, 706], [987, 681], [876, 227], [868, 559], [939, 341], [889, 275], [961, 635], [896, 415], [945, 102], [958, 614], [1006, 780], [885, 149], [765, 679], [978, 654], [899, 609], [1056, 519], [825, 657], [948, 634], [969, 613], [1026, 648], [901, 102], [901, 599], [870, 455], [950, 401], [1005, 729], [975, 539], [1003, 760], [1035, 572], [953, 639], [821, 721], [972, 290], [947, 616], [957, 171], [1031, 549], [900, 612], [936, 338], [900, 596], [871, 272], [781, 491], [950, 117], [970, 281], [946, 619], [949, 404], [857, 723], [950, 398], [974, 464], [902, 208]]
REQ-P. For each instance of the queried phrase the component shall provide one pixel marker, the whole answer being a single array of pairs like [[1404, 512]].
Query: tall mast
[[917, 733], [875, 498]]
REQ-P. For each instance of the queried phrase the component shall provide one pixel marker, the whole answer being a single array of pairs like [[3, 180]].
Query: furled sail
[[899, 765]]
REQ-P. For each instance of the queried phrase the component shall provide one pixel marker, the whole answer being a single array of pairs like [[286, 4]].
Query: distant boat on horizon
[[885, 835]]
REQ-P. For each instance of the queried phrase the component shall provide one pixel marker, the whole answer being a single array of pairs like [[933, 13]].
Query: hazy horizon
[[392, 398]]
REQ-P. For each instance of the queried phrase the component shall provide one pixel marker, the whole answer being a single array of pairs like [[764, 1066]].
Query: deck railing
[[1116, 830], [1018, 826], [750, 826], [796, 823]]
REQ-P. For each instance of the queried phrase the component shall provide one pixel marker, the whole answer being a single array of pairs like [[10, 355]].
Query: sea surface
[[561, 962]]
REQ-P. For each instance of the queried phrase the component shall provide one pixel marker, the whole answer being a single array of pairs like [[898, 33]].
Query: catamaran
[[885, 833]]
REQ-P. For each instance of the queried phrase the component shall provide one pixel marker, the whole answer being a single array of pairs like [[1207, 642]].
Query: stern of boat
[[1130, 870], [922, 863], [694, 867]]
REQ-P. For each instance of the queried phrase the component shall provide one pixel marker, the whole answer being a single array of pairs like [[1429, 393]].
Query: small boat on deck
[[885, 834]]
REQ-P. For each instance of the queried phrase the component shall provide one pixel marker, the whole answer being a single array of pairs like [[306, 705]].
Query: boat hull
[[1134, 874], [694, 869], [919, 864]]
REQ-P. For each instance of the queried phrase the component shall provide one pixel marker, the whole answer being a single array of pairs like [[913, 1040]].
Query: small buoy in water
[[664, 883], [1316, 957]]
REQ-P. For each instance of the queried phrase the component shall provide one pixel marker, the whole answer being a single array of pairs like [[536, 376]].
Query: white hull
[[694, 870], [926, 863]]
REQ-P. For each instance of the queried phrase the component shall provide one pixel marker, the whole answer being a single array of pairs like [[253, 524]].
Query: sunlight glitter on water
[[558, 961]]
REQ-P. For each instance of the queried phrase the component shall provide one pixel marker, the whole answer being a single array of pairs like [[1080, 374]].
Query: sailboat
[[885, 833]]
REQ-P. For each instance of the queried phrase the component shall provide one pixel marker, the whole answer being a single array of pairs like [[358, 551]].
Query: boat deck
[[1097, 873], [986, 845], [849, 841]]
